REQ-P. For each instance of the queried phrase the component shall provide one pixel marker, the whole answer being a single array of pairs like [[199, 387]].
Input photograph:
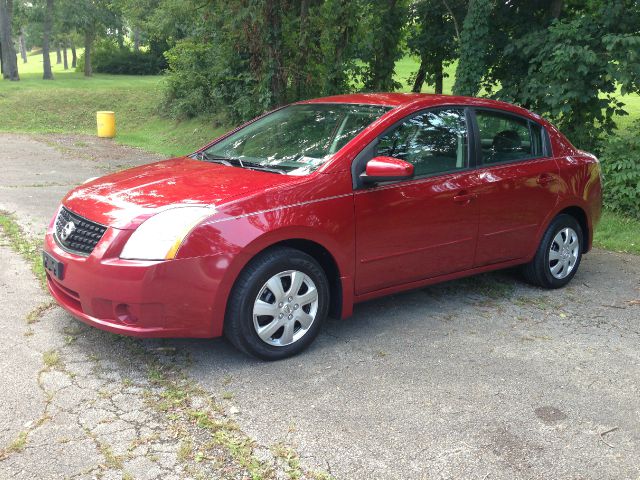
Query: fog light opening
[[125, 314]]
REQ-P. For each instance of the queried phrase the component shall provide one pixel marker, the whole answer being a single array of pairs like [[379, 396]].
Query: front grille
[[77, 234]]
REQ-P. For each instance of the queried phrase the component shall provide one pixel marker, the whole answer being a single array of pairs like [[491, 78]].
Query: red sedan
[[316, 206]]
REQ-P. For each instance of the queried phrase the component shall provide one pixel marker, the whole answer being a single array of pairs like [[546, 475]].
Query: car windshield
[[296, 139]]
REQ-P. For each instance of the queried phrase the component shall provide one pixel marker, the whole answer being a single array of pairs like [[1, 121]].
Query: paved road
[[483, 378]]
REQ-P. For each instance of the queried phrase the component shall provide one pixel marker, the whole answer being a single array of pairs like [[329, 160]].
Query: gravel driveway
[[482, 378]]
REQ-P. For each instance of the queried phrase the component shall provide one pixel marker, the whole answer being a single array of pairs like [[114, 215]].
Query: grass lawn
[[68, 105], [618, 233]]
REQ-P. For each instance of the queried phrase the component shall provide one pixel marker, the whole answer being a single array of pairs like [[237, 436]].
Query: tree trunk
[[46, 58], [58, 54], [120, 36], [556, 8], [8, 54], [303, 40], [23, 46], [88, 42], [439, 74], [420, 76], [64, 55], [336, 80], [273, 17], [136, 39], [385, 50], [74, 57]]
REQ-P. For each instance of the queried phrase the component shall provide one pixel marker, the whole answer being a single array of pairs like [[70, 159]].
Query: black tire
[[538, 271], [239, 320]]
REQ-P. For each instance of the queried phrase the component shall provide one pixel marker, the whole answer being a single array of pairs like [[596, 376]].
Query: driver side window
[[433, 141]]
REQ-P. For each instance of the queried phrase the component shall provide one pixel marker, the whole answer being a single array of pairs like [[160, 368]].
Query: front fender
[[230, 243]]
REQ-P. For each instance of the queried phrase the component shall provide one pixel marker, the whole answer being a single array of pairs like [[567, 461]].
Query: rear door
[[519, 178], [422, 227]]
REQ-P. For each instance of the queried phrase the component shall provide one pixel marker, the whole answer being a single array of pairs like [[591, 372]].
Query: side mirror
[[386, 169]]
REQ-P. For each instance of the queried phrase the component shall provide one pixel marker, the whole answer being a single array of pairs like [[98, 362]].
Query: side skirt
[[441, 278]]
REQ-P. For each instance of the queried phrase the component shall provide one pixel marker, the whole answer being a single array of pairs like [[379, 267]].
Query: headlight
[[160, 236]]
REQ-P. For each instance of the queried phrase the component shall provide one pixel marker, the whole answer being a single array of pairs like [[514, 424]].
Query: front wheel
[[277, 304], [558, 256]]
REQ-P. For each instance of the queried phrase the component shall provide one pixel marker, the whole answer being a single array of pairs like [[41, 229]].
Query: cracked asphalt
[[482, 378]]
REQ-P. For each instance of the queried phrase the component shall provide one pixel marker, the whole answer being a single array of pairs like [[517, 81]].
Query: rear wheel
[[277, 304], [558, 256]]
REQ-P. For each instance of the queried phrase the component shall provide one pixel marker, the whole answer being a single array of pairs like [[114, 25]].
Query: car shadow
[[423, 308]]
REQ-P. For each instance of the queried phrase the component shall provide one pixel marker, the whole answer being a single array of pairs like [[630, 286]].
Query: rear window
[[507, 138]]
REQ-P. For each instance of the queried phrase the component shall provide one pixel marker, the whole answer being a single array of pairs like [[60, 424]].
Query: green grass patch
[[618, 233], [406, 68], [68, 104]]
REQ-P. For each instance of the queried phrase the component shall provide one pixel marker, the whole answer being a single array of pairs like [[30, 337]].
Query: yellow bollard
[[106, 124]]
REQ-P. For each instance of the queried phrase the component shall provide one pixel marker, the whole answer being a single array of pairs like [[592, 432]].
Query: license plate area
[[53, 266]]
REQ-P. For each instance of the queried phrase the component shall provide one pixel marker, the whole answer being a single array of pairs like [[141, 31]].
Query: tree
[[339, 30], [8, 52], [564, 59], [23, 46], [474, 45], [46, 37], [386, 20], [74, 55], [64, 55], [434, 38]]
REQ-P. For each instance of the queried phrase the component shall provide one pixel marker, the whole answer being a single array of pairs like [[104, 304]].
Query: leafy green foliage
[[386, 21], [433, 36], [241, 59], [339, 31], [474, 48], [569, 68], [621, 167], [109, 58], [191, 82]]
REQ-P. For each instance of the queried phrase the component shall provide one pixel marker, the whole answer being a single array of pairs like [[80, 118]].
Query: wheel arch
[[328, 263], [339, 283], [577, 211], [581, 217]]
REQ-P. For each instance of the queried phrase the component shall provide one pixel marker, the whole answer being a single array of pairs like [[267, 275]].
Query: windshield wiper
[[236, 162], [257, 166], [224, 160]]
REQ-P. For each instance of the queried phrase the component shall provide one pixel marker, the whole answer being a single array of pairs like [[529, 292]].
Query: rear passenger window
[[433, 141], [505, 138]]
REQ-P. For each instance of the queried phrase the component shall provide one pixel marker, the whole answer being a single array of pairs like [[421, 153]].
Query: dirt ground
[[482, 378]]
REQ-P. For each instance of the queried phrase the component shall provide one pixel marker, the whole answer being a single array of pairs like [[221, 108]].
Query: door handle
[[545, 179], [464, 197]]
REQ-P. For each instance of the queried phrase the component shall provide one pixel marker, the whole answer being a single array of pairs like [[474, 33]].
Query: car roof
[[425, 99]]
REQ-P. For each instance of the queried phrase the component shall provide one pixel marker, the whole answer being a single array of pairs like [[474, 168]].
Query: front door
[[426, 226]]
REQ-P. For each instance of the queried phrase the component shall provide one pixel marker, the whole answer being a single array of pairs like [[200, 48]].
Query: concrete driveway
[[483, 378]]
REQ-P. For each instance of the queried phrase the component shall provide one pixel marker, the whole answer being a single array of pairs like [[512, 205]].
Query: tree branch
[[455, 21]]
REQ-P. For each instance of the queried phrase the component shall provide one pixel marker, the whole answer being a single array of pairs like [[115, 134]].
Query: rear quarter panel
[[581, 185]]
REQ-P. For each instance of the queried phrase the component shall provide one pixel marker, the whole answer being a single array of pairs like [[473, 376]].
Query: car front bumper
[[173, 298]]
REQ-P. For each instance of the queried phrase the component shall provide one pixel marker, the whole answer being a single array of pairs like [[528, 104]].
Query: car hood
[[125, 199]]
